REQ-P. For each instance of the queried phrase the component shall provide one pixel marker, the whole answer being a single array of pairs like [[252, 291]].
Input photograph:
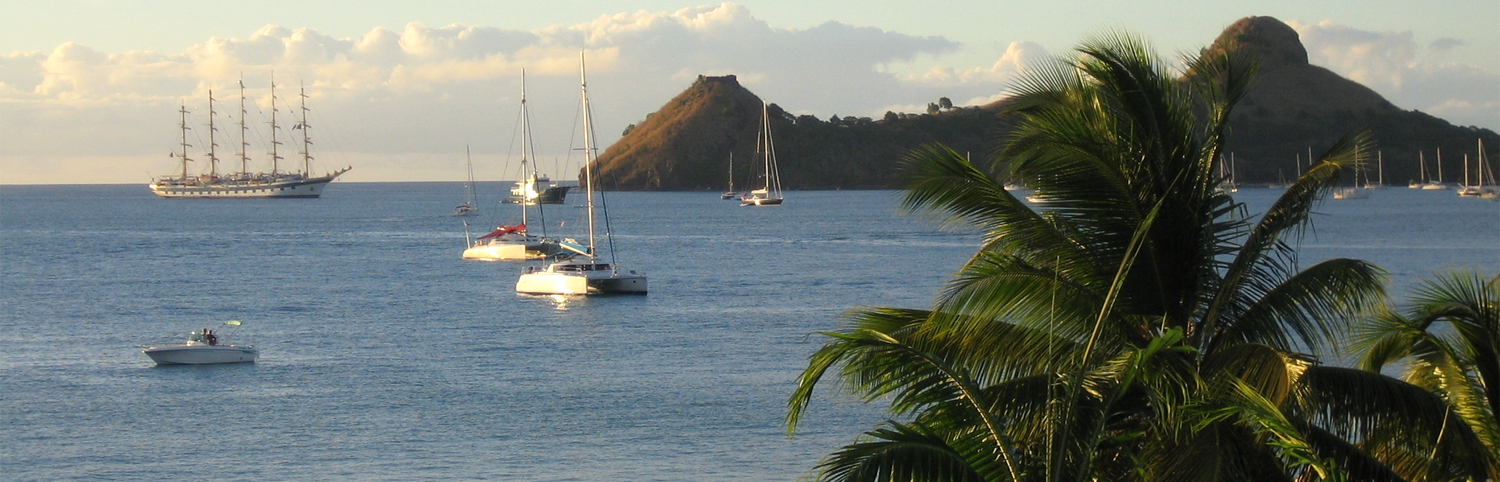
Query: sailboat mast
[[526, 187], [275, 158], [1440, 165], [469, 164], [306, 138], [213, 158], [1380, 165], [731, 171], [244, 144], [1422, 161], [183, 110], [588, 148]]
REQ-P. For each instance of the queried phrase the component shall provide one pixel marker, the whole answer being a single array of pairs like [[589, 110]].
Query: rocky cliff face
[[1292, 107]]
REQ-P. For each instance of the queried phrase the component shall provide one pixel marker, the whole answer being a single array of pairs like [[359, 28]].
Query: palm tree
[[1449, 343], [1137, 324]]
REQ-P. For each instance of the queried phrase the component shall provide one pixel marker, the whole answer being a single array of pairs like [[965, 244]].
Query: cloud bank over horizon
[[401, 105], [1412, 76]]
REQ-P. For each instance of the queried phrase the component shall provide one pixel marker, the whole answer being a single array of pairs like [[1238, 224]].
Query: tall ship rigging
[[243, 183]]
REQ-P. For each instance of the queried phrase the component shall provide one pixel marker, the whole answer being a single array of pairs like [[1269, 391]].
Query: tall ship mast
[[244, 184]]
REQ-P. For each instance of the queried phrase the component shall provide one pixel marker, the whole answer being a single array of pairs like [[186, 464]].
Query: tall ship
[[243, 183]]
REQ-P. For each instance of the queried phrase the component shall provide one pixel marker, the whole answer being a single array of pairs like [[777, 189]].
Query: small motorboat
[[203, 347]]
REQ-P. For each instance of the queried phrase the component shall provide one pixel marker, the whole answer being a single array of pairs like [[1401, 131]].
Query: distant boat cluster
[[243, 183]]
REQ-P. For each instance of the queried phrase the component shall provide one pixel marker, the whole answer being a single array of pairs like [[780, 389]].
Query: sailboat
[[468, 208], [577, 270], [1437, 185], [1226, 176], [1379, 171], [1466, 189], [243, 184], [1358, 191], [1490, 193], [766, 150], [730, 194], [512, 243]]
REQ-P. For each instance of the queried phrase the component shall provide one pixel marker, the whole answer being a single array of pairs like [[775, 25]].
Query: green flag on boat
[[233, 322]]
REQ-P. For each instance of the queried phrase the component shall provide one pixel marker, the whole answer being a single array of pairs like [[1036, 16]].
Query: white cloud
[[422, 92], [1408, 74]]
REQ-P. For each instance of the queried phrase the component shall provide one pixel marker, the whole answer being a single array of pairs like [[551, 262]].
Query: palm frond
[[899, 452]]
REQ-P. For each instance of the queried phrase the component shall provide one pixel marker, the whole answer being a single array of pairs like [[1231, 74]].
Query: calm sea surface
[[386, 357]]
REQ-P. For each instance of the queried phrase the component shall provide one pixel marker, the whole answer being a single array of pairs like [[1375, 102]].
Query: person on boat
[[209, 335]]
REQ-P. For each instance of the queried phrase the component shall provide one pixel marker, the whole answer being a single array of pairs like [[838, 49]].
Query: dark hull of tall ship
[[267, 186]]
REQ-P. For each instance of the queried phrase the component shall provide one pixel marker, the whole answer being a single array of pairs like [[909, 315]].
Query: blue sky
[[89, 89]]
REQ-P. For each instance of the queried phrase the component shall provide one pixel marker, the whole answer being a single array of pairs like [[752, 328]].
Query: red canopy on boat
[[504, 230]]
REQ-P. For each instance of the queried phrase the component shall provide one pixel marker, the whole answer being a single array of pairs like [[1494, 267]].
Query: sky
[[90, 89]]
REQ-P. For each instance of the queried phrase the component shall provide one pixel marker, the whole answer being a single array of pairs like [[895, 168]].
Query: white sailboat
[[730, 194], [1379, 171], [1358, 191], [468, 208], [577, 270], [1466, 189], [1485, 172], [515, 242], [1437, 185], [766, 150], [244, 184]]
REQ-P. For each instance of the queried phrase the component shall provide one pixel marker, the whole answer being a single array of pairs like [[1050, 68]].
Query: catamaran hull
[[201, 354], [501, 252], [298, 188], [548, 283]]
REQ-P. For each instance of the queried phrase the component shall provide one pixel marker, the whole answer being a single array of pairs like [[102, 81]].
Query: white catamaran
[[245, 184], [771, 194], [512, 243], [577, 271]]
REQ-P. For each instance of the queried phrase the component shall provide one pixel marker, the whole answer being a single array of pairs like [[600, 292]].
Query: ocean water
[[387, 357]]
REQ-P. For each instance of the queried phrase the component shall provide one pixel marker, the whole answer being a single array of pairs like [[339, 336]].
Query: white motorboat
[[202, 348], [577, 271]]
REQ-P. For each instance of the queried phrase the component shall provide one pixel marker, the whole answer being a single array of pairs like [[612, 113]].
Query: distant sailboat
[[1437, 185], [730, 194], [766, 150], [1379, 171], [468, 208], [1358, 191]]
